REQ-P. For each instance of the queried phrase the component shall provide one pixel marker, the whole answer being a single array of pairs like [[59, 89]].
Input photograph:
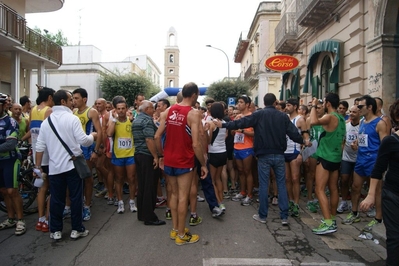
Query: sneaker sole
[[183, 243], [194, 224], [352, 222], [326, 232]]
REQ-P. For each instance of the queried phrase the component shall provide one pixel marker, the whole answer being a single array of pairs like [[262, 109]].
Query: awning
[[295, 84], [334, 46]]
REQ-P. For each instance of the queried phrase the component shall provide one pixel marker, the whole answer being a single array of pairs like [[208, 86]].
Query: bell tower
[[171, 60]]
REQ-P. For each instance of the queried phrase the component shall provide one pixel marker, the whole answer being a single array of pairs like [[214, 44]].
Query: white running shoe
[[133, 207], [343, 206], [75, 234], [121, 207]]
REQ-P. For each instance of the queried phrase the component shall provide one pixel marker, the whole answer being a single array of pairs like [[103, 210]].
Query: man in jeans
[[62, 173], [271, 127]]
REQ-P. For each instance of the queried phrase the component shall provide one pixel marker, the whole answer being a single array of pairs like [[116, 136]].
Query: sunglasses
[[360, 106]]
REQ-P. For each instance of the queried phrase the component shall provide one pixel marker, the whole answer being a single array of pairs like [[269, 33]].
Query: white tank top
[[219, 144], [293, 147]]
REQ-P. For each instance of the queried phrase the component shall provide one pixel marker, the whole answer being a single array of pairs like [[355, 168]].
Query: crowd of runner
[[329, 151]]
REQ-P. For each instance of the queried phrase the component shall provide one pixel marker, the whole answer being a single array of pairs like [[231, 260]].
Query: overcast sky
[[123, 28]]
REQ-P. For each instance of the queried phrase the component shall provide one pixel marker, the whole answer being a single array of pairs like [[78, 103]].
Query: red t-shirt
[[178, 149]]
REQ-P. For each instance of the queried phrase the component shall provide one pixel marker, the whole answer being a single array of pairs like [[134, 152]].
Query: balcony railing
[[42, 46], [286, 32], [312, 13], [12, 24], [251, 73]]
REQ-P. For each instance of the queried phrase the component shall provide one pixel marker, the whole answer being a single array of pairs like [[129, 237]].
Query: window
[[171, 59], [171, 71], [171, 83], [325, 74]]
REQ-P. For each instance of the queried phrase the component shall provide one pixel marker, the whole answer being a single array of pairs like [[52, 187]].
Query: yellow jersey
[[123, 145], [87, 123]]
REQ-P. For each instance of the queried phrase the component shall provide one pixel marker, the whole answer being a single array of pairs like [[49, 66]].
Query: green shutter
[[315, 86]]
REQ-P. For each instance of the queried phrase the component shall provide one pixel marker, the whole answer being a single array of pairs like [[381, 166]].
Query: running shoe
[[371, 213], [126, 189], [311, 206], [110, 201], [369, 227], [295, 210], [45, 227], [132, 206], [186, 239], [247, 201], [195, 220], [290, 207], [284, 222], [39, 226], [343, 206], [66, 214], [222, 207], [200, 199], [116, 201], [8, 223], [275, 201], [256, 217], [173, 233], [351, 218], [324, 229], [86, 213], [216, 212], [226, 195], [160, 203], [75, 234], [20, 228], [121, 207], [238, 197], [101, 193], [168, 215], [56, 235]]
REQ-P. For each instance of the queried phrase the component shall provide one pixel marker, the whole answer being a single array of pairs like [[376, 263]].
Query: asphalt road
[[233, 239]]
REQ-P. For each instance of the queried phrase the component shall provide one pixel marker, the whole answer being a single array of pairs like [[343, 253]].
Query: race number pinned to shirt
[[351, 136], [363, 140], [239, 137], [124, 143]]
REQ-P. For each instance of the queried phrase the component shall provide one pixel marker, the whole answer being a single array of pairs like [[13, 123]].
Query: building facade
[[22, 49], [345, 46], [255, 47], [83, 67]]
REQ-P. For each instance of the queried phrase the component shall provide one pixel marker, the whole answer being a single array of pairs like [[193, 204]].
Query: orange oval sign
[[281, 63]]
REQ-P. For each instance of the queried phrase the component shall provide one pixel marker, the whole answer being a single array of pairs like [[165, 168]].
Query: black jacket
[[270, 129]]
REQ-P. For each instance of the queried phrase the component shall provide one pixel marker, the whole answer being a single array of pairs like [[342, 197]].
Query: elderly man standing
[[62, 173], [147, 164]]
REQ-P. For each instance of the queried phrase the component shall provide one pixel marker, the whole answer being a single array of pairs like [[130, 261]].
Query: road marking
[[266, 262]]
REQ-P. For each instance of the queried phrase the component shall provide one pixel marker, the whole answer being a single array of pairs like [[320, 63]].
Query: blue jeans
[[277, 163], [207, 187], [58, 187]]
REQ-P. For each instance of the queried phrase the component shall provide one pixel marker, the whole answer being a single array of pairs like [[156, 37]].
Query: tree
[[58, 37], [128, 86], [222, 90]]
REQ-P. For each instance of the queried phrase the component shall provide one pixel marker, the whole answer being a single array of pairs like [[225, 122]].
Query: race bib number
[[239, 137], [363, 140], [124, 143], [351, 137]]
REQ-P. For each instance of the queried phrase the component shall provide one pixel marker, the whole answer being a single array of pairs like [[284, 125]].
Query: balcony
[[12, 24], [240, 49], [16, 36], [286, 32], [42, 46], [312, 13], [251, 74]]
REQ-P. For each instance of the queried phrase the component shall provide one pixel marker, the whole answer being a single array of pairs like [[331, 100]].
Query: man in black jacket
[[271, 128]]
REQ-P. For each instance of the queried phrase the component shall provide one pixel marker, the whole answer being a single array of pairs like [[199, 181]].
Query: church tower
[[171, 65]]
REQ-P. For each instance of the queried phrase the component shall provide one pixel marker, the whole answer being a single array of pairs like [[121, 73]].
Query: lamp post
[[228, 63]]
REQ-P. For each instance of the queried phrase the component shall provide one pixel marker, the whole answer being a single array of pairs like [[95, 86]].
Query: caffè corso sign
[[281, 63]]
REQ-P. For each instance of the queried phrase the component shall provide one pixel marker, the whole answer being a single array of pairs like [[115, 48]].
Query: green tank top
[[22, 128], [330, 143], [315, 132]]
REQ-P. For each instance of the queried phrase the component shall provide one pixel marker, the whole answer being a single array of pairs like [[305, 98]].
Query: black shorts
[[330, 166], [289, 157], [217, 159]]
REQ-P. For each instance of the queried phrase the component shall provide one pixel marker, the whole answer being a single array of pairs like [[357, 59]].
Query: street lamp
[[228, 62]]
